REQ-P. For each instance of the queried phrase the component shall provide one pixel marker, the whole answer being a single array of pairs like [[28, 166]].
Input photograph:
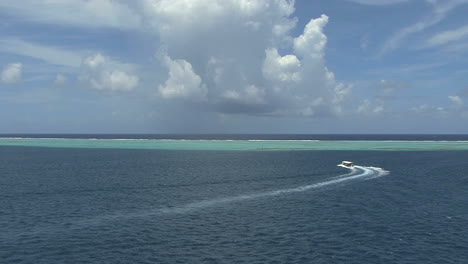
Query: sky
[[234, 66]]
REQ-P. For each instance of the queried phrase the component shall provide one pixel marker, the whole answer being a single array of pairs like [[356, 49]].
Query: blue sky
[[234, 66]]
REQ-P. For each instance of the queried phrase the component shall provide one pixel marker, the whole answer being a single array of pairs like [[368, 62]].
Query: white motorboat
[[348, 164]]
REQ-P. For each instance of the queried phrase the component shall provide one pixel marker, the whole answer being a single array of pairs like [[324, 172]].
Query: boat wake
[[356, 172]]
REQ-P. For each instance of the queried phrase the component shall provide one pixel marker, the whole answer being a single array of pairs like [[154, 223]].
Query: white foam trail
[[365, 173], [356, 172], [353, 170]]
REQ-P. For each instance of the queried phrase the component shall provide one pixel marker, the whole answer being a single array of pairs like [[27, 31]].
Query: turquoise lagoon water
[[242, 145]]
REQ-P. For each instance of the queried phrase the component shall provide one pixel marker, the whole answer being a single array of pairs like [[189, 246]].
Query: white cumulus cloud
[[236, 60], [430, 110], [370, 109], [182, 81], [312, 42], [278, 68], [12, 73], [102, 73]]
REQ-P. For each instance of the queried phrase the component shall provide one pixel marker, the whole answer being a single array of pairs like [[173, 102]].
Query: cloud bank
[[237, 63], [240, 57], [224, 56]]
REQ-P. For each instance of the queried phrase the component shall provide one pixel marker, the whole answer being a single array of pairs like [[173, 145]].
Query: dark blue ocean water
[[152, 206]]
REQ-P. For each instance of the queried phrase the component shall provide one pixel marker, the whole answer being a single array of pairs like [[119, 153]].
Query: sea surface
[[233, 199]]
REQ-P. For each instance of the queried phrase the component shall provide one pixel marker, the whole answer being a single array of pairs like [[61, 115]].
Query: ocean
[[233, 199]]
